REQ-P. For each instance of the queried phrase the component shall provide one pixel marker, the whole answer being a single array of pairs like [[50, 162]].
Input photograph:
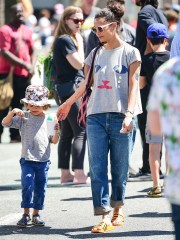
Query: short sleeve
[[65, 45], [5, 38], [15, 122], [89, 58], [134, 56]]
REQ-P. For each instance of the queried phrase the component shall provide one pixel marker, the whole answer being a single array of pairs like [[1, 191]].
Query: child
[[35, 150], [157, 37]]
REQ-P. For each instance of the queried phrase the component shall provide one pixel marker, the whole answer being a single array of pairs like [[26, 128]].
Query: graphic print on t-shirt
[[118, 70], [104, 85], [97, 67], [121, 70]]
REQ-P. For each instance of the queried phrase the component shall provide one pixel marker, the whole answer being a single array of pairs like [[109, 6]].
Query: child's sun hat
[[36, 95]]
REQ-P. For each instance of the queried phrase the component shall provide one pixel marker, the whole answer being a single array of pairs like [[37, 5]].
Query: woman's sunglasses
[[100, 28], [76, 21]]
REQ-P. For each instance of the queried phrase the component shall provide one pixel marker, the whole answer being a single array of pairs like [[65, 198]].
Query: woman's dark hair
[[111, 2], [113, 13], [154, 3]]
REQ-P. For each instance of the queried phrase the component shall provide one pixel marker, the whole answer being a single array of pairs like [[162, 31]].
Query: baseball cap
[[157, 30]]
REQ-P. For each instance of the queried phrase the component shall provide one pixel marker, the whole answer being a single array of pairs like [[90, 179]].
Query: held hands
[[127, 125], [63, 111], [55, 138], [56, 128]]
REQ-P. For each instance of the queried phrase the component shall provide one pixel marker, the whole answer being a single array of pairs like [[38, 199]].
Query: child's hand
[[55, 138], [18, 112], [56, 127]]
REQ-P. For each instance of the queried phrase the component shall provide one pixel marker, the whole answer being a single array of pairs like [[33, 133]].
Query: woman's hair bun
[[117, 10]]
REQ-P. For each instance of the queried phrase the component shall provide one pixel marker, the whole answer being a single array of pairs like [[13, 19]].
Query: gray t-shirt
[[110, 88], [34, 136]]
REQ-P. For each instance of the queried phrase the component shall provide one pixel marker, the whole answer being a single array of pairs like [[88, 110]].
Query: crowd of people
[[128, 82]]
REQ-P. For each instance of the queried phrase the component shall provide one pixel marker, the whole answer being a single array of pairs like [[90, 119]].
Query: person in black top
[[148, 14], [157, 39], [68, 58]]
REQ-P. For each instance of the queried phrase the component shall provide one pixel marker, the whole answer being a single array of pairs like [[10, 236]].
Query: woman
[[68, 58], [114, 102]]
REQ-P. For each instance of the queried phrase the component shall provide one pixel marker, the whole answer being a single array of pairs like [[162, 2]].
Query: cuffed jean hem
[[32, 206], [102, 210], [27, 205], [38, 207], [115, 204]]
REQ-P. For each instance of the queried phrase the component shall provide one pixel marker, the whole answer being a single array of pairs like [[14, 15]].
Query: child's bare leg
[[26, 211], [154, 161]]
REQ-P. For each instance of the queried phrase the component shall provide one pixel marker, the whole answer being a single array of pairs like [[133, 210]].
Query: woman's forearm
[[79, 92], [132, 99], [133, 86]]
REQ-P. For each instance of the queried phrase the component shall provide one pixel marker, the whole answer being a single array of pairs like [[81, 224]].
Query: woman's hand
[[127, 125], [63, 111], [78, 38]]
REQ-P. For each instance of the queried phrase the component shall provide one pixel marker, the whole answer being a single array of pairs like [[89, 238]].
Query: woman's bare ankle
[[106, 218]]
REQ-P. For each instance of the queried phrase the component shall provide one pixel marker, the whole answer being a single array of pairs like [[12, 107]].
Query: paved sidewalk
[[68, 210]]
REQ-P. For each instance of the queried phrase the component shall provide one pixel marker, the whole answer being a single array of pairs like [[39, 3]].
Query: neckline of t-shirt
[[114, 49], [34, 116]]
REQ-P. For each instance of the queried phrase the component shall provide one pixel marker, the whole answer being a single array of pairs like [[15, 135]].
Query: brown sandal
[[117, 219], [102, 227]]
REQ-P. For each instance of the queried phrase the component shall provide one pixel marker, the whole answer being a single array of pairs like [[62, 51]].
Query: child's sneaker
[[36, 220], [24, 220]]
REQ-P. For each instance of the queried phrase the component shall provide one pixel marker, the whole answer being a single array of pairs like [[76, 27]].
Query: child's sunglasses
[[76, 21], [100, 28]]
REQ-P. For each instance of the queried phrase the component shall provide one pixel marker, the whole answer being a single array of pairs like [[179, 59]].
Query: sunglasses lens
[[76, 21], [100, 29]]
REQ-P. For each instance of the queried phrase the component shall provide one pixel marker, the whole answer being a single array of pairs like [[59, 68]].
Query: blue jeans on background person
[[34, 177], [103, 136], [176, 219]]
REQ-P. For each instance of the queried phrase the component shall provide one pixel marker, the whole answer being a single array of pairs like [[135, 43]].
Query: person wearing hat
[[157, 38], [149, 13], [35, 154]]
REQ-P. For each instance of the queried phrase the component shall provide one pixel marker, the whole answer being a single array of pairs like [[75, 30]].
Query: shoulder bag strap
[[91, 67]]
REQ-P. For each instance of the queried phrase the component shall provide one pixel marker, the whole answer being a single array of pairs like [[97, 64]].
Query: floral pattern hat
[[36, 95]]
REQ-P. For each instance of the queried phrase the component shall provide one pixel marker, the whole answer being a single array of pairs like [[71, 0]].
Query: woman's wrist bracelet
[[128, 111]]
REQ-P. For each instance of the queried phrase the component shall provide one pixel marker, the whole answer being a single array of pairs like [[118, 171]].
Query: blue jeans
[[103, 136], [176, 219], [34, 176]]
